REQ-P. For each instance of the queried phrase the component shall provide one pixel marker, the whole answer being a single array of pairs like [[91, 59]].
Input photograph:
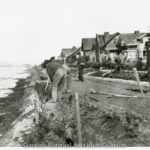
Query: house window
[[132, 46], [93, 59], [131, 54], [144, 53]]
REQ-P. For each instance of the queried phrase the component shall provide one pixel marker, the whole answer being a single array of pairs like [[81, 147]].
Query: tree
[[120, 60]]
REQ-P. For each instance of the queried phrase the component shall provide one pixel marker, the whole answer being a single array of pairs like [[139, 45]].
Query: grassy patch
[[11, 106], [100, 125], [110, 126]]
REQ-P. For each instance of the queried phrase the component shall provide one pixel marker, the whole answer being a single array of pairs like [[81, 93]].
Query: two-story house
[[93, 47], [131, 44], [134, 45]]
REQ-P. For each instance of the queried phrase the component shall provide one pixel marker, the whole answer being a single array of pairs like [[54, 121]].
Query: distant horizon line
[[10, 65]]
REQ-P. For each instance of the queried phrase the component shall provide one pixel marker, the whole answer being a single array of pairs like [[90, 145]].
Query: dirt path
[[137, 105], [112, 87]]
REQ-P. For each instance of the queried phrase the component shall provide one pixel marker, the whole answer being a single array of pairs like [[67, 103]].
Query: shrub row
[[108, 64], [122, 75]]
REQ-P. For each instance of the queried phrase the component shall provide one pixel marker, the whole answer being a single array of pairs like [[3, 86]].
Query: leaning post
[[78, 118], [148, 60], [138, 81]]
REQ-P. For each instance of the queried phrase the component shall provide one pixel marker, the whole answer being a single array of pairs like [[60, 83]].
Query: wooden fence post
[[78, 118], [148, 65]]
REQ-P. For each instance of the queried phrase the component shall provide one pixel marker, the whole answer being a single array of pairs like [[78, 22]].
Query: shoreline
[[10, 106], [20, 106], [32, 121]]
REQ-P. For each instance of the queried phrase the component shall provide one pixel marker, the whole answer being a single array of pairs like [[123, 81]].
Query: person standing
[[81, 65]]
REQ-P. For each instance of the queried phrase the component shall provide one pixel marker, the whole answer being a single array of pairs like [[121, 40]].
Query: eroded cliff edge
[[42, 123]]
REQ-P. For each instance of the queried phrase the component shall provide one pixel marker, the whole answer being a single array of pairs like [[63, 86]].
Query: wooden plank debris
[[1, 114]]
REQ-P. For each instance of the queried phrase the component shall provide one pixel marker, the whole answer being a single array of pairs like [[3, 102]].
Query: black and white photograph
[[75, 73]]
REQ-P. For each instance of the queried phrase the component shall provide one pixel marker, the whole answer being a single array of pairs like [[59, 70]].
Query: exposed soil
[[19, 109], [105, 120]]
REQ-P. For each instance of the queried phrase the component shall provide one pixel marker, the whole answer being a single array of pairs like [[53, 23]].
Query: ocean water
[[9, 75]]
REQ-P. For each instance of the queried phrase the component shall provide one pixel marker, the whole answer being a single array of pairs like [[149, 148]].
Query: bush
[[71, 59], [140, 65], [129, 65], [143, 76], [44, 63], [88, 65], [95, 65], [118, 64], [108, 64], [72, 65]]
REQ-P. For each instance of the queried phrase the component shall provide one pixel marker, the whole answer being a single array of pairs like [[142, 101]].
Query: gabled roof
[[128, 38], [74, 52], [88, 44], [144, 34], [105, 39], [112, 44], [68, 51]]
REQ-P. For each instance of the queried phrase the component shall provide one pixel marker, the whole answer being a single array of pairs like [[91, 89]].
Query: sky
[[34, 30]]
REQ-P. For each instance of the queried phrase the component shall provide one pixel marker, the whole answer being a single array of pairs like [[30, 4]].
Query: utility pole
[[147, 44], [97, 51]]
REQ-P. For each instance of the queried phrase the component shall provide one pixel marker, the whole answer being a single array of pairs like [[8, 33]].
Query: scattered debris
[[2, 114], [93, 91], [138, 90], [106, 73]]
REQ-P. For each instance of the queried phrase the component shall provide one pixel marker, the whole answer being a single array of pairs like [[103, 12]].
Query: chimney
[[106, 33], [73, 47], [136, 32], [106, 36]]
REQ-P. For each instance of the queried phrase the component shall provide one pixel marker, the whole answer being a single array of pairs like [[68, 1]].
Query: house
[[67, 51], [74, 53], [93, 46], [88, 47], [133, 44], [70, 54], [72, 57]]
